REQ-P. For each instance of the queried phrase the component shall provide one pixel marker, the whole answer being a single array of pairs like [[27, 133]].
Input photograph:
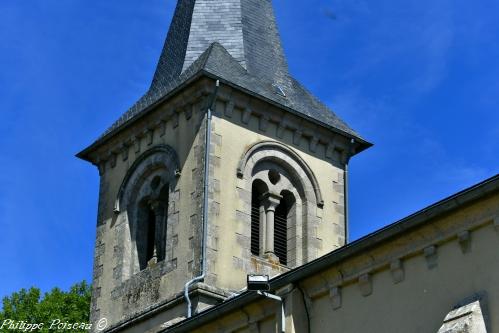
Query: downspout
[[351, 151], [205, 203], [345, 180], [281, 301]]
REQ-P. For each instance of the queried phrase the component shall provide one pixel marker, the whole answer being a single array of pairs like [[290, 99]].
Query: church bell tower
[[226, 166]]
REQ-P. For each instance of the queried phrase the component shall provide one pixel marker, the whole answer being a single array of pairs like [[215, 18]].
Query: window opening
[[281, 232]]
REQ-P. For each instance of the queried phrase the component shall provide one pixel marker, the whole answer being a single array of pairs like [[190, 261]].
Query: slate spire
[[245, 28], [238, 42]]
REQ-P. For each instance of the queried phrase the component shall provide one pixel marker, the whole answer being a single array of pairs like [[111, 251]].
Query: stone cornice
[[282, 147], [141, 135], [332, 143], [183, 100]]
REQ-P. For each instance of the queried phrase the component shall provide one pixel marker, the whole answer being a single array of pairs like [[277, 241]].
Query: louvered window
[[255, 228], [281, 233]]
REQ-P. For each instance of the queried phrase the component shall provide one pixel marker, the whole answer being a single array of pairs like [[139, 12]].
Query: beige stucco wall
[[234, 138], [422, 300], [432, 283], [116, 296]]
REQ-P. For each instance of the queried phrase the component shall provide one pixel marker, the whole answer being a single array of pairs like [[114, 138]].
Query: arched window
[[285, 197], [143, 201], [283, 215], [151, 221], [273, 220], [145, 234], [281, 233]]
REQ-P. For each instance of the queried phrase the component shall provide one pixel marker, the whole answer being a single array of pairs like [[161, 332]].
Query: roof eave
[[85, 153], [362, 144]]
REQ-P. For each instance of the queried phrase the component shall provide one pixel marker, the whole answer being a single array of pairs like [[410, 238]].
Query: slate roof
[[237, 42], [246, 28]]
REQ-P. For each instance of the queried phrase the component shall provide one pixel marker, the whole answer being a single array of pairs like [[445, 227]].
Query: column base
[[271, 257], [152, 262]]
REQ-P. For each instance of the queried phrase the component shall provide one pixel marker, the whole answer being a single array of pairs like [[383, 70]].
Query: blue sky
[[418, 78]]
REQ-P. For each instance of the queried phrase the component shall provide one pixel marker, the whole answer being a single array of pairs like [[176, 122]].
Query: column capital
[[270, 200], [158, 207]]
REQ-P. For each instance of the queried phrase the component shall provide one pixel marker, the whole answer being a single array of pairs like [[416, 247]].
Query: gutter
[[345, 195], [205, 203], [346, 181]]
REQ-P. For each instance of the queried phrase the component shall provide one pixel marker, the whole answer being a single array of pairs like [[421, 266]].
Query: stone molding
[[394, 260], [335, 145], [139, 167], [397, 270], [154, 122], [194, 99], [274, 145], [303, 244]]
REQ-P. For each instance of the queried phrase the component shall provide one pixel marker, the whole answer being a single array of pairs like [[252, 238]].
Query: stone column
[[263, 219], [159, 210], [270, 201]]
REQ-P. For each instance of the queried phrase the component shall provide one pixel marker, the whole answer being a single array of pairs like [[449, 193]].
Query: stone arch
[[162, 155], [142, 204], [283, 154], [284, 171]]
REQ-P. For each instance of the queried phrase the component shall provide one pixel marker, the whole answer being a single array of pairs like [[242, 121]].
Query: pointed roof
[[237, 42], [246, 28]]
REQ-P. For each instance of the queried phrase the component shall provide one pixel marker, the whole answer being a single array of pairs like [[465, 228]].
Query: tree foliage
[[30, 307]]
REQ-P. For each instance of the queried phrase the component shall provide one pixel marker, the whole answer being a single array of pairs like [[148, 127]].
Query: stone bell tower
[[226, 166]]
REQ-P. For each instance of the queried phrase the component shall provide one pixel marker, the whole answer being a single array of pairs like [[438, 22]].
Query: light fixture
[[258, 282]]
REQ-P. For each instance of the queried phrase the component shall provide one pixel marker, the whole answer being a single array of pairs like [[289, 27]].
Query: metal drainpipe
[[281, 301], [205, 203], [345, 181]]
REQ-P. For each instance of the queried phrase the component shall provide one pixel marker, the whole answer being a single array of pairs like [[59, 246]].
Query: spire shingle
[[237, 41], [245, 28]]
